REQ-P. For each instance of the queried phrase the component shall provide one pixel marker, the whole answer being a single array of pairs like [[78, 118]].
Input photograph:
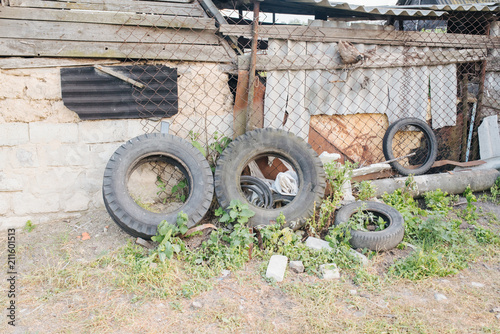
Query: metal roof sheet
[[406, 11]]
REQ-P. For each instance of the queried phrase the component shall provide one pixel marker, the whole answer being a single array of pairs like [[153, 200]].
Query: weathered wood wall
[[157, 30]]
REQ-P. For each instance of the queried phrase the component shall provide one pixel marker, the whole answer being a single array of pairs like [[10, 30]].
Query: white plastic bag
[[286, 183]]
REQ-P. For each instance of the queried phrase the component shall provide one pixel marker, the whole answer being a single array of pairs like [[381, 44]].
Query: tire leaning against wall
[[278, 143], [136, 220]]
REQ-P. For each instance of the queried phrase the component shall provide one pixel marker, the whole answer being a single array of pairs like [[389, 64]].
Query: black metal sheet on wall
[[93, 94]]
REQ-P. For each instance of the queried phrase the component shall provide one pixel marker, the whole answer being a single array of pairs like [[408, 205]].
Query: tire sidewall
[[388, 238], [281, 144], [388, 139], [138, 220]]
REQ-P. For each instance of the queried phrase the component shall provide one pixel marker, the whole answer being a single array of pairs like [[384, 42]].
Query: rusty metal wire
[[340, 97]]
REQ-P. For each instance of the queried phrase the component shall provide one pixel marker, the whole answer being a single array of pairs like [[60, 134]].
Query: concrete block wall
[[52, 163], [54, 170]]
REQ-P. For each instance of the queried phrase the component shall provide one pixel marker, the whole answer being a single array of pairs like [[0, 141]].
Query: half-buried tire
[[152, 149], [383, 240]]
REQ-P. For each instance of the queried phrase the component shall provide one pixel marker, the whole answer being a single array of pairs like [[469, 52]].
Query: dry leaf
[[85, 236]]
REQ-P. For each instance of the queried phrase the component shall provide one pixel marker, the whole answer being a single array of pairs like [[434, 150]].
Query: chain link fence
[[338, 83]]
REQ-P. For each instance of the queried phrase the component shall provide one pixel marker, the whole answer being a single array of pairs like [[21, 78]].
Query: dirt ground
[[241, 302]]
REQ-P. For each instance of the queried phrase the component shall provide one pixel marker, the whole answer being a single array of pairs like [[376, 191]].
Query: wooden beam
[[382, 60], [10, 63], [120, 18], [59, 48], [75, 31], [363, 36], [193, 10]]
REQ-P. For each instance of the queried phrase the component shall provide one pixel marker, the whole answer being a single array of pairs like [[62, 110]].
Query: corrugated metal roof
[[96, 95], [333, 8], [417, 11]]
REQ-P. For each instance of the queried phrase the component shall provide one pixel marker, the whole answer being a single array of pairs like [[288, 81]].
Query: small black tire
[[429, 155], [278, 143], [136, 220], [383, 240]]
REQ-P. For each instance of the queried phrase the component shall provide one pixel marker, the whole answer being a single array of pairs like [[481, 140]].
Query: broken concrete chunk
[[144, 243], [347, 191], [326, 157], [375, 168], [297, 266], [329, 271], [317, 244], [277, 267]]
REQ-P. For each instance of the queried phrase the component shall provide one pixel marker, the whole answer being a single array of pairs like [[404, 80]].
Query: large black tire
[[281, 144], [136, 220], [383, 240], [424, 159]]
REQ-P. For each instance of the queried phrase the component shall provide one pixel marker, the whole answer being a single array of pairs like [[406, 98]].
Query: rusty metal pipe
[[253, 61]]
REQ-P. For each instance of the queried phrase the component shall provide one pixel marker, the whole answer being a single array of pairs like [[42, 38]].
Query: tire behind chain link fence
[[413, 143]]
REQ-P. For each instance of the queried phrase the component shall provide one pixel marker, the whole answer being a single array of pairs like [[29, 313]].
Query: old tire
[[386, 239], [281, 144], [136, 220], [424, 158]]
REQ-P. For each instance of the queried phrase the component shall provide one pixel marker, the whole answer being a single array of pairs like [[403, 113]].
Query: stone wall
[[52, 163]]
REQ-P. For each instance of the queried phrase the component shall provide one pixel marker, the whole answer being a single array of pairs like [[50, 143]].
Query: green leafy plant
[[363, 220], [439, 201], [29, 226], [235, 212], [469, 213], [214, 149], [167, 237], [337, 174], [365, 190], [179, 190]]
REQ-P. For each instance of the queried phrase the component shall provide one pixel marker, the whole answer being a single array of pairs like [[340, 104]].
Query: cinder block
[[62, 155], [26, 157], [5, 203], [77, 202], [100, 154], [93, 132], [27, 203], [277, 267], [14, 222], [329, 271], [56, 180], [10, 182], [14, 134], [317, 244], [47, 132]]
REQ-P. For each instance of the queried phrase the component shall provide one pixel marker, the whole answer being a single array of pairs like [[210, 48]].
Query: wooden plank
[[381, 60], [362, 36], [74, 31], [134, 6], [127, 19], [58, 48], [166, 2], [14, 62]]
